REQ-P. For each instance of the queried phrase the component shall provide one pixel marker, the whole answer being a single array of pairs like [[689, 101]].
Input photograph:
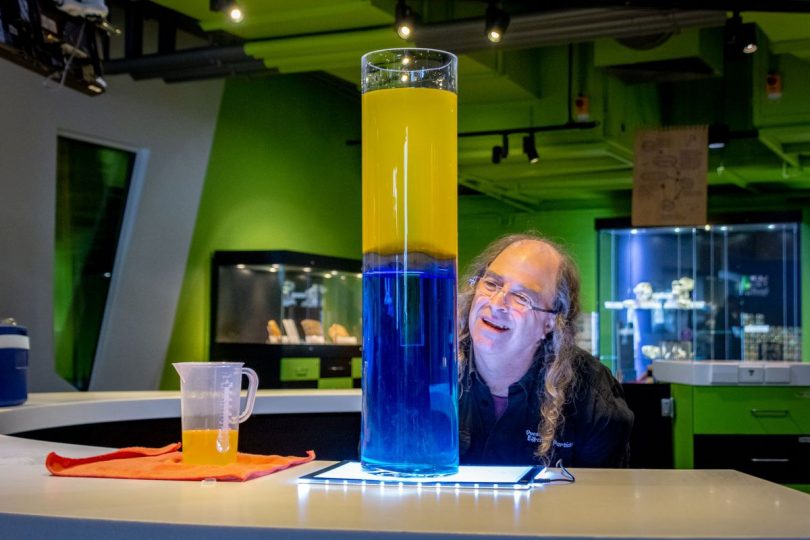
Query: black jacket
[[595, 433]]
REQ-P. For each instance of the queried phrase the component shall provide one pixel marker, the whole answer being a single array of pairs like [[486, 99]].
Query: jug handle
[[253, 385]]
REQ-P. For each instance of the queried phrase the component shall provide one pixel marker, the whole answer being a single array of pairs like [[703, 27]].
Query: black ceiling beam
[[511, 131], [185, 58], [530, 129], [248, 67], [150, 10], [133, 31], [167, 34]]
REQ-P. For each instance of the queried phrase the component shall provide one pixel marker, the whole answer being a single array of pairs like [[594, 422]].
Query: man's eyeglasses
[[515, 300]]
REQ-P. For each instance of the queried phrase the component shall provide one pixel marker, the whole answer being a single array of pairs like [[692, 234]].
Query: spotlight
[[718, 136], [739, 37], [404, 20], [497, 21], [530, 149], [500, 152], [236, 14], [230, 7]]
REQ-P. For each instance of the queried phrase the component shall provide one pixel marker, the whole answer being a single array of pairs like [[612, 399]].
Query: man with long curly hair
[[528, 394]]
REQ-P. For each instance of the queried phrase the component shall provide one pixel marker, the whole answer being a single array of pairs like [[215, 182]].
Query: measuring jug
[[209, 409]]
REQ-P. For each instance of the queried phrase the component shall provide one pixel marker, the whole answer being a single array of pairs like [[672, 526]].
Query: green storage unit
[[300, 369], [760, 430], [335, 383]]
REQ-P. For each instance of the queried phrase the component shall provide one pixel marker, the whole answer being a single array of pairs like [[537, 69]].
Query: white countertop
[[602, 503], [48, 410]]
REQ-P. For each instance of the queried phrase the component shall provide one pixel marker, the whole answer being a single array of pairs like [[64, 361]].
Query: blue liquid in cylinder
[[410, 373]]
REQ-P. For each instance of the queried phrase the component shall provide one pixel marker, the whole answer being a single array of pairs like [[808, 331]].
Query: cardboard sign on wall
[[669, 177]]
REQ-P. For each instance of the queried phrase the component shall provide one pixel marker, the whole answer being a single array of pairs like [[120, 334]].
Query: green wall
[[480, 223], [280, 176]]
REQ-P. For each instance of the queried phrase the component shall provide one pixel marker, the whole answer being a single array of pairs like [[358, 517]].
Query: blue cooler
[[13, 364]]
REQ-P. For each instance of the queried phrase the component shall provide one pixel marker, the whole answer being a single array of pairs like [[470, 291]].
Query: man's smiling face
[[528, 268]]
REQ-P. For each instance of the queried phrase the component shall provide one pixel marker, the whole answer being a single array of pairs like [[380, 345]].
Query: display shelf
[[725, 291], [267, 306]]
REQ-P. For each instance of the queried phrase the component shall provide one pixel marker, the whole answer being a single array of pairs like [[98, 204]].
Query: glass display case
[[270, 307], [720, 292]]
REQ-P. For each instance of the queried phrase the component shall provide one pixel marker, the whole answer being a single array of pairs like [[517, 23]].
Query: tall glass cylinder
[[410, 247]]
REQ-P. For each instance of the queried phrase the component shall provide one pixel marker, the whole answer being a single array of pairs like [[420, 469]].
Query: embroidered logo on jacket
[[532, 436], [564, 444]]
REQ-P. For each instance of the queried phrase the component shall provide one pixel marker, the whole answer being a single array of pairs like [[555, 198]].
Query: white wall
[[174, 125]]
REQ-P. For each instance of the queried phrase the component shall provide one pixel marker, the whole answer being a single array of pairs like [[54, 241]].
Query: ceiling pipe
[[194, 73], [197, 57], [571, 26]]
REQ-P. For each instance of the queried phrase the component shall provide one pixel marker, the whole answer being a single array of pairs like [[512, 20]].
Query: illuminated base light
[[633, 231], [236, 14], [494, 36]]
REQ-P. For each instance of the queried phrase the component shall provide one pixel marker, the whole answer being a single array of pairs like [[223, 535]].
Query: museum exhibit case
[[725, 291], [295, 318]]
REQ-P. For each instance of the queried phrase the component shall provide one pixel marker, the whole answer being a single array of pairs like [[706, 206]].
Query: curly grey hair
[[559, 350]]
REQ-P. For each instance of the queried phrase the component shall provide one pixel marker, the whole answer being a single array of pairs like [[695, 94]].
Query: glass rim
[[209, 364], [450, 59]]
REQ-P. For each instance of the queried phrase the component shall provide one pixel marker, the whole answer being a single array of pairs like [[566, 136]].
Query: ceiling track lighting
[[530, 148], [230, 7], [497, 21], [405, 20], [502, 151], [740, 38], [720, 134]]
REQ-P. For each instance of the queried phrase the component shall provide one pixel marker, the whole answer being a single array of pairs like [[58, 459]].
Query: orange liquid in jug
[[410, 149], [200, 447]]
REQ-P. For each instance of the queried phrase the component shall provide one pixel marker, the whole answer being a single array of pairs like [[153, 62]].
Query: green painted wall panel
[[574, 228], [280, 176]]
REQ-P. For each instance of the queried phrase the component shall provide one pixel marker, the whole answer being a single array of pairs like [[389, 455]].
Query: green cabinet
[[760, 430], [783, 410]]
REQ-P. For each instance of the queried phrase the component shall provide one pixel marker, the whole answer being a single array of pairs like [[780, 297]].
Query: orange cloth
[[167, 464]]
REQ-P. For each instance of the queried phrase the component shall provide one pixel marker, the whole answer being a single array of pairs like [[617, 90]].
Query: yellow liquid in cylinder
[[410, 160], [200, 447]]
